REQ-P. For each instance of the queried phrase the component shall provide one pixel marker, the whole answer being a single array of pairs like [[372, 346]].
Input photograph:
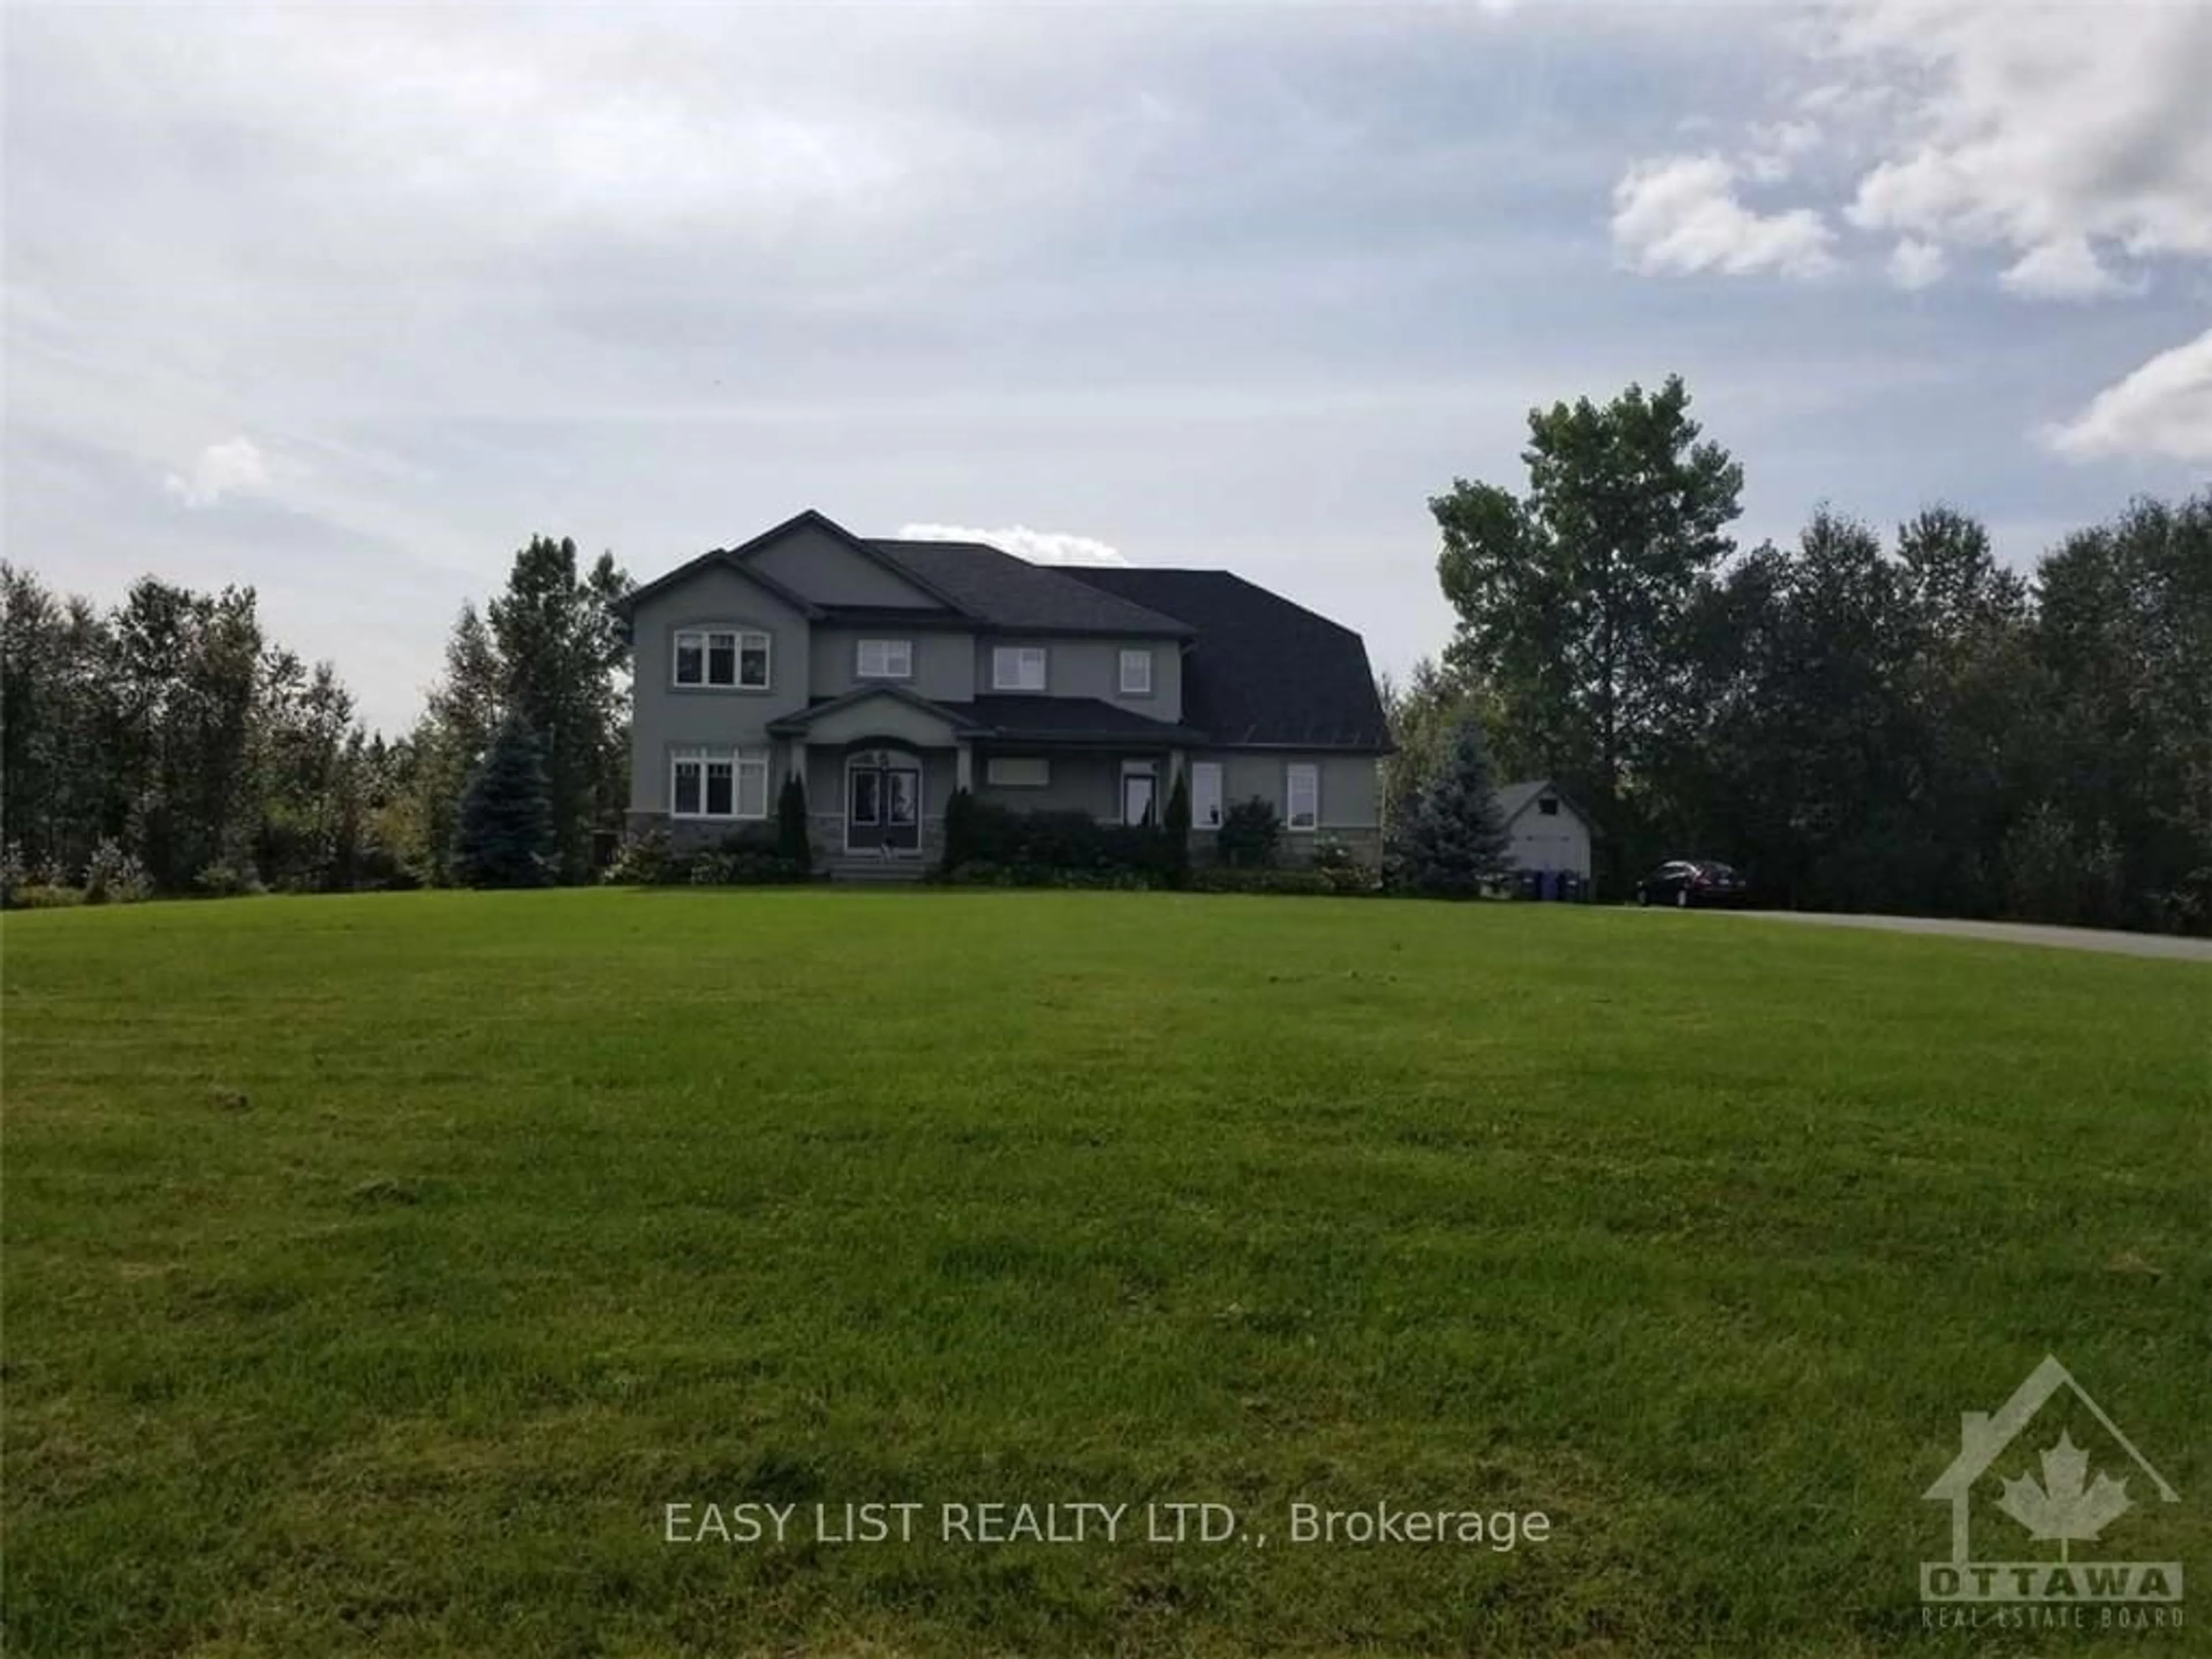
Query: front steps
[[858, 867]]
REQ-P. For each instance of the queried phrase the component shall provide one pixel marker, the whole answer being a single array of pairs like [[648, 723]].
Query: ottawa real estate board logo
[[2045, 1483]]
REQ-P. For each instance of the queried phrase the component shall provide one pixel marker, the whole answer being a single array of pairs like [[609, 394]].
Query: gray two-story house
[[888, 674]]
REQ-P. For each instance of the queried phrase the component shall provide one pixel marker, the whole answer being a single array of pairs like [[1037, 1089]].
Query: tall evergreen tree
[[1454, 844], [793, 840], [1175, 830], [506, 814]]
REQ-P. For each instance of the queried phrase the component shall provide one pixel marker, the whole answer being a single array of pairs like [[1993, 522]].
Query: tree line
[[168, 738], [1860, 724]]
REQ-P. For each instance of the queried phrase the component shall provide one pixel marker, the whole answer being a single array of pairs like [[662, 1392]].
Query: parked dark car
[[1688, 884]]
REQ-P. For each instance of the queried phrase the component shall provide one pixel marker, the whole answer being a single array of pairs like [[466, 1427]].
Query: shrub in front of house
[[1333, 854], [987, 845], [1297, 882], [1348, 881], [1249, 834], [746, 857], [983, 832], [641, 860], [742, 869], [984, 872]]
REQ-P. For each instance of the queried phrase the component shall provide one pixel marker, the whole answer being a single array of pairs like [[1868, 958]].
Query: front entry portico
[[879, 762], [882, 802]]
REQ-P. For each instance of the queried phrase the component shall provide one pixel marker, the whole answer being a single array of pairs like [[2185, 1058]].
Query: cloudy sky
[[346, 303]]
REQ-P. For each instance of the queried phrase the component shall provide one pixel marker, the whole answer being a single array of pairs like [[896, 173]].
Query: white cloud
[[2067, 269], [2069, 145], [1775, 148], [1037, 546], [2164, 408], [1678, 213], [236, 467], [2073, 142], [1915, 265], [2027, 127]]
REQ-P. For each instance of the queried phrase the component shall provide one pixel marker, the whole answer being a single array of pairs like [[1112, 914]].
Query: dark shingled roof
[[1071, 720], [1013, 595], [1264, 671], [1019, 720]]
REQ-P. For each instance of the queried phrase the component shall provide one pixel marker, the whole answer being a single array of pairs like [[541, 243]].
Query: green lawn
[[377, 1270]]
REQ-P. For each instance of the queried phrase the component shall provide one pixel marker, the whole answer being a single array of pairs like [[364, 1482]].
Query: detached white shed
[[1550, 833]]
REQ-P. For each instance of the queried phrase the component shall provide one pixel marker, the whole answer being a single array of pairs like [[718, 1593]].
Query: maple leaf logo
[[2065, 1505]]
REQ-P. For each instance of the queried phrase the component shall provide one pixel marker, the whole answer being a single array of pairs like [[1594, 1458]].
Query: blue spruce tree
[[505, 836], [1454, 845]]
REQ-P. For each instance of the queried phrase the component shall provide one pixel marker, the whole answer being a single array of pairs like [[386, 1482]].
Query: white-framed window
[[1140, 792], [1017, 668], [1136, 673], [1206, 795], [884, 659], [718, 783], [727, 658], [1302, 796], [1018, 772]]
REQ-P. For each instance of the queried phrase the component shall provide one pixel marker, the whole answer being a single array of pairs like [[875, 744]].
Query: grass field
[[378, 1270]]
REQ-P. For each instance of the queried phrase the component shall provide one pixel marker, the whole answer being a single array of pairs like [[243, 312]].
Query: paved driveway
[[2008, 932]]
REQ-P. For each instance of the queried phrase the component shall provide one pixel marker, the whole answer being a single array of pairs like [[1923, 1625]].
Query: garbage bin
[[1570, 886], [1532, 884]]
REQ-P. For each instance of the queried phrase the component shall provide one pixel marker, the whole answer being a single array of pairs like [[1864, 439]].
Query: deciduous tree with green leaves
[[562, 652], [1573, 598], [1423, 711]]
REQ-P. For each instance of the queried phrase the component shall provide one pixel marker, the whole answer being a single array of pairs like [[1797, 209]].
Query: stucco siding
[[1092, 668], [885, 718], [1077, 782], [816, 565], [1350, 787], [666, 716], [944, 662]]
